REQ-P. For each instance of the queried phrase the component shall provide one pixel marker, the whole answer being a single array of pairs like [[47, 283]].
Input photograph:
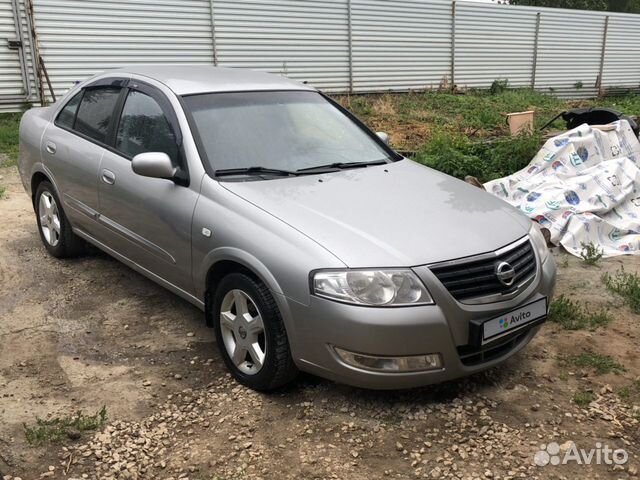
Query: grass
[[3, 190], [583, 399], [627, 285], [571, 315], [602, 364], [9, 123], [55, 429], [457, 155], [590, 253], [477, 113], [467, 134], [631, 391]]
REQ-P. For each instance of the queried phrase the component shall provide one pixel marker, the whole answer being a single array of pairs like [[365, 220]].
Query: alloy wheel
[[243, 332], [49, 218]]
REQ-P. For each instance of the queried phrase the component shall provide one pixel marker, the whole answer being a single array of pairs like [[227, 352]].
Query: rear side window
[[144, 128], [95, 112], [67, 115]]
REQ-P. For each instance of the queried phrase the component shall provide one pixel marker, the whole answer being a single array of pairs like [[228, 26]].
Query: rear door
[[73, 145], [147, 220]]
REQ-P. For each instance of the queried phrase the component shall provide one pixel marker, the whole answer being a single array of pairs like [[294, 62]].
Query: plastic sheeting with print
[[584, 186]]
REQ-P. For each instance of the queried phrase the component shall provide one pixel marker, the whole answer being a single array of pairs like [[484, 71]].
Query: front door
[[147, 220]]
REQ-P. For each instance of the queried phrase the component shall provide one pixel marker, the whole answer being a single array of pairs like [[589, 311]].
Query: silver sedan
[[308, 243]]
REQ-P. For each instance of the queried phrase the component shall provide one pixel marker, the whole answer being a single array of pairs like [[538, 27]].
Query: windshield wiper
[[341, 166], [257, 170], [253, 171]]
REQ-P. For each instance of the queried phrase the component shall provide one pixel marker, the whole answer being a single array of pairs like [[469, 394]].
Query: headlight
[[539, 243], [388, 288]]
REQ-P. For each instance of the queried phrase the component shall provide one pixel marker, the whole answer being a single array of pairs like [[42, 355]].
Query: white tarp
[[584, 186]]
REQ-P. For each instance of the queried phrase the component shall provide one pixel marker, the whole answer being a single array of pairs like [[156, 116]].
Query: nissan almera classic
[[308, 242]]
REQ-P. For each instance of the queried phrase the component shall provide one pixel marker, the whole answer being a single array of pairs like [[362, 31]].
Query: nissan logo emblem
[[505, 273]]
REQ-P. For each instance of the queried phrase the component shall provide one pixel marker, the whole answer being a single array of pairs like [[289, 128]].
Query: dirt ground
[[77, 335]]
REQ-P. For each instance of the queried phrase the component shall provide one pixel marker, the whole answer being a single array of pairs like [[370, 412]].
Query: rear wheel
[[251, 334], [55, 230]]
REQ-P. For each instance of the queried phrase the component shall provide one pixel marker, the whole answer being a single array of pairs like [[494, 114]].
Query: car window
[[281, 130], [95, 111], [144, 128], [67, 115]]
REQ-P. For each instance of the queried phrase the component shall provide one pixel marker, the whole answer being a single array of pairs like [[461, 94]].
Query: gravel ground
[[77, 335]]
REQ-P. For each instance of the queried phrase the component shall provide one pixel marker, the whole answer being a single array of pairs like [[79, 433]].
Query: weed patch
[[9, 139], [571, 315], [458, 156], [602, 364], [590, 253], [583, 399], [499, 86], [627, 285], [630, 392], [54, 429]]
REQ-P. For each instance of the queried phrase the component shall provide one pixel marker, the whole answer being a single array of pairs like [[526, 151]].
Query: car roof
[[193, 79]]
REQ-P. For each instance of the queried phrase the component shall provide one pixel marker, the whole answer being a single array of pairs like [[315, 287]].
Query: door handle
[[108, 177], [50, 147]]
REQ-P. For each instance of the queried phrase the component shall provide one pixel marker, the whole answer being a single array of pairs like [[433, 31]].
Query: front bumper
[[441, 328]]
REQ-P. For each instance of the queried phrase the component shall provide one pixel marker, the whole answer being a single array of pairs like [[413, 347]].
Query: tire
[[277, 367], [55, 230]]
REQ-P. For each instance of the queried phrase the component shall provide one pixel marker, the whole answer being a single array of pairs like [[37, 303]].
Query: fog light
[[414, 363]]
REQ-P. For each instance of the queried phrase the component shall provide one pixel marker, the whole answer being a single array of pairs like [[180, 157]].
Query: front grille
[[470, 355], [475, 277]]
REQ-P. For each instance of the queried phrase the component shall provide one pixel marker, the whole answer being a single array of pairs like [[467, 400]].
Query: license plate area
[[527, 315]]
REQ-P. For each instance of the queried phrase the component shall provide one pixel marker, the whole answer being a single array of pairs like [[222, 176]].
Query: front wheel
[[55, 230], [250, 333]]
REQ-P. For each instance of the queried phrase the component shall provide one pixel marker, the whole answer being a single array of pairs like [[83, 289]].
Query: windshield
[[278, 130]]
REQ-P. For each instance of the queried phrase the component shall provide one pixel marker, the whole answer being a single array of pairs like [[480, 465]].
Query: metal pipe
[[602, 55], [350, 27], [213, 34], [35, 51], [453, 45], [32, 51], [534, 65], [46, 76]]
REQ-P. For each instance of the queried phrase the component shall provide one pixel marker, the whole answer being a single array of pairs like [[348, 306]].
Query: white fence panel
[[569, 52], [622, 54], [304, 40], [335, 45], [493, 42], [79, 38], [400, 45]]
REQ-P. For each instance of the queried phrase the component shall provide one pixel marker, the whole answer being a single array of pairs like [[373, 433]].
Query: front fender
[[238, 256]]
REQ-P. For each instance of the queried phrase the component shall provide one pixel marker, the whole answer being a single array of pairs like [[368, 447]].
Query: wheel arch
[[223, 261], [39, 174], [36, 179]]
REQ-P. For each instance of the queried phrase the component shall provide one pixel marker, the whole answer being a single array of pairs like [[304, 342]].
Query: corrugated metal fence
[[337, 45]]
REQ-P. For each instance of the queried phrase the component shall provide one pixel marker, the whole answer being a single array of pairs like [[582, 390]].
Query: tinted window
[[144, 128], [95, 111], [68, 113]]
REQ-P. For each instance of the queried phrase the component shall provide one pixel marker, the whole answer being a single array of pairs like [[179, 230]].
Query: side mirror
[[154, 165], [384, 137]]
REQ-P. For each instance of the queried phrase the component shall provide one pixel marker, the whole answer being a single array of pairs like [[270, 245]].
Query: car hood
[[400, 214]]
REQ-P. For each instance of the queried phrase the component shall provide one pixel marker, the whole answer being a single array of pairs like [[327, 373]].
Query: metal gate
[[15, 87]]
